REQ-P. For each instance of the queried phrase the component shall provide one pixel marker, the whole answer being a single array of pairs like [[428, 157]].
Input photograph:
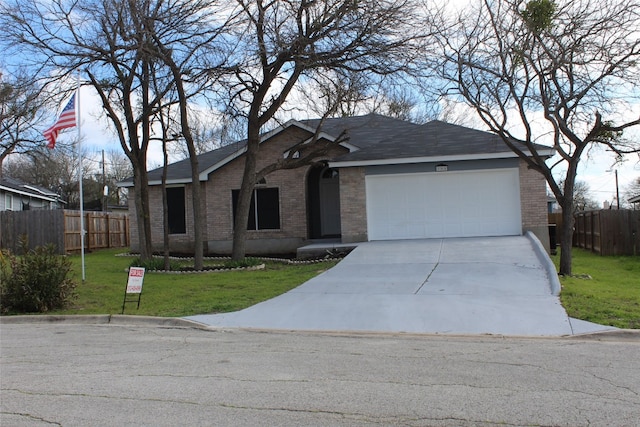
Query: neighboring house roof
[[373, 139], [635, 199], [15, 186]]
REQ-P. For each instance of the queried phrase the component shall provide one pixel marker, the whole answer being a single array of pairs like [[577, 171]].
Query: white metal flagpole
[[79, 144]]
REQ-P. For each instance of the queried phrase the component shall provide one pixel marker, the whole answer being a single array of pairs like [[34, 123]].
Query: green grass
[[177, 295], [610, 297]]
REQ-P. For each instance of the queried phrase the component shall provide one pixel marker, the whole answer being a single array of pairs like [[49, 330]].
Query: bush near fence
[[605, 232], [62, 229]]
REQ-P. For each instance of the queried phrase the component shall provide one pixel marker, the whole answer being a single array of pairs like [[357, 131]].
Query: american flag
[[66, 120]]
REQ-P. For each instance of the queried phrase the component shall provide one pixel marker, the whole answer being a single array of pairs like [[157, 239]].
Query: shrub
[[154, 264], [245, 262], [35, 282]]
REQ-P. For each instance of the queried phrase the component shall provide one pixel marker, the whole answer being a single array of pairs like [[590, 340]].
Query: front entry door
[[330, 203]]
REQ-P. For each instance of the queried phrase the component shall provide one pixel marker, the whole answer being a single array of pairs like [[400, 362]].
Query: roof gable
[[180, 171]]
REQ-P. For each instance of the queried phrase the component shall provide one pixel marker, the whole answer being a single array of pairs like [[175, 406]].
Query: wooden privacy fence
[[608, 232], [62, 228]]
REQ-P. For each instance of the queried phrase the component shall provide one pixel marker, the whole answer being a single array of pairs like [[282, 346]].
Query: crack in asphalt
[[106, 397], [31, 417], [608, 381], [380, 420]]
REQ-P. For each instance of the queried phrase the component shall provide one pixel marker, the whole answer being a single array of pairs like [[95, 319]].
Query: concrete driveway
[[488, 285]]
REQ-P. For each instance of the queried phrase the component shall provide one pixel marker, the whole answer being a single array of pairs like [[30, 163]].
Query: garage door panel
[[452, 204]]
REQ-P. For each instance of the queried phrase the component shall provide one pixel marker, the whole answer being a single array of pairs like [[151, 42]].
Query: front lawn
[[604, 290], [178, 295]]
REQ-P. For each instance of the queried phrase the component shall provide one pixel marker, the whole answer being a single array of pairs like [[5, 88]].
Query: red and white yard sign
[[136, 276]]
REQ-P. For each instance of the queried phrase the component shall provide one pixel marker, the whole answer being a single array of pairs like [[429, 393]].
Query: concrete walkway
[[495, 285]]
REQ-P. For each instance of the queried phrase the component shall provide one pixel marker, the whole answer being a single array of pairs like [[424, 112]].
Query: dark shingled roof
[[365, 131], [433, 139], [181, 170], [32, 190], [377, 138]]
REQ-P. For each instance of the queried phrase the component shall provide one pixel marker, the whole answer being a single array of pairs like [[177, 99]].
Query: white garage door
[[448, 204]]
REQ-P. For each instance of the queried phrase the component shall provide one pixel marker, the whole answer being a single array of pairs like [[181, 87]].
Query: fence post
[[108, 226], [127, 232], [87, 222]]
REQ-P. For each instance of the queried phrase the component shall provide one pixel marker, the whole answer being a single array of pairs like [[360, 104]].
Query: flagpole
[[79, 144]]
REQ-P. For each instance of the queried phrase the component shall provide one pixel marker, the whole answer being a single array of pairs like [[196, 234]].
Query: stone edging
[[213, 270], [226, 269]]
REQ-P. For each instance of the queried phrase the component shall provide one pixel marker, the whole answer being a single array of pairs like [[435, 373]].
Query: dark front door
[[323, 188]]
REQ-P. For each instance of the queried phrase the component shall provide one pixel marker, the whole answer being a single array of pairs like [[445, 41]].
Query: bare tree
[[281, 44], [582, 199], [122, 46], [207, 136], [632, 189], [106, 40], [118, 169], [188, 37], [57, 170], [564, 73], [22, 111]]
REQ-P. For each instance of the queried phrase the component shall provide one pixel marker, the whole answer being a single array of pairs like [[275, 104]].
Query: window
[[8, 202], [264, 212], [176, 210]]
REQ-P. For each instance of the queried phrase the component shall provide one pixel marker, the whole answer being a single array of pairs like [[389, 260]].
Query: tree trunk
[[246, 190], [566, 240], [142, 213], [196, 188], [566, 233], [196, 191]]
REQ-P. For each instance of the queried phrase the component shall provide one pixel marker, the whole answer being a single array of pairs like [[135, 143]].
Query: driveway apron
[[488, 285]]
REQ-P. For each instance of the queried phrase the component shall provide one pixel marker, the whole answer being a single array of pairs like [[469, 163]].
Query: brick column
[[353, 205], [533, 204]]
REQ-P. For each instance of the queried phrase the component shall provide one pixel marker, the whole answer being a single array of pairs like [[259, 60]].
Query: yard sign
[[134, 285]]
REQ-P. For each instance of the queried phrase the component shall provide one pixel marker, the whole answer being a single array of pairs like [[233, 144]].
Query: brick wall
[[291, 185], [533, 197], [533, 203], [217, 201], [353, 205], [178, 242]]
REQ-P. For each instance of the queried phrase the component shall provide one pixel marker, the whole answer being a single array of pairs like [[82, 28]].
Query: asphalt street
[[151, 375]]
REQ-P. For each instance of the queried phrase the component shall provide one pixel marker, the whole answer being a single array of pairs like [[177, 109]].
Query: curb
[[104, 319], [176, 322], [547, 264], [612, 335]]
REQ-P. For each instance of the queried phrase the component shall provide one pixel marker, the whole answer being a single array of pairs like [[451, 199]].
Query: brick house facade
[[329, 198]]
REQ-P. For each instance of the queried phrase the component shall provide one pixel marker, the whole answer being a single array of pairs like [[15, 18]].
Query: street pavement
[[116, 374], [483, 285]]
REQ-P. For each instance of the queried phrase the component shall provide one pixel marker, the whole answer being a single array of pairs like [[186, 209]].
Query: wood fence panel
[[118, 230], [608, 232], [62, 228], [72, 241], [41, 227], [103, 230]]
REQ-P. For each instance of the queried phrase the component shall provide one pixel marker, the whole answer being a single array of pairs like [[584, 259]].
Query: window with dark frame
[[264, 211], [176, 210]]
